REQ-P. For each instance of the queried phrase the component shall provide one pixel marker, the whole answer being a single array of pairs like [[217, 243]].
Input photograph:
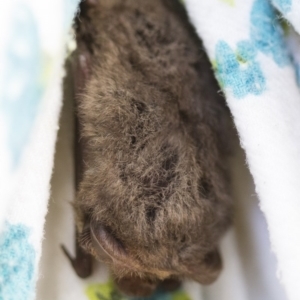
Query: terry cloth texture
[[33, 36], [256, 62]]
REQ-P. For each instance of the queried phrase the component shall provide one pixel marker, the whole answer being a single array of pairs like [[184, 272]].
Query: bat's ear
[[208, 270], [105, 244]]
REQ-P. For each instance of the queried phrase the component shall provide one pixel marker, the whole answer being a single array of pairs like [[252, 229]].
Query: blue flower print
[[239, 70], [267, 34], [17, 258]]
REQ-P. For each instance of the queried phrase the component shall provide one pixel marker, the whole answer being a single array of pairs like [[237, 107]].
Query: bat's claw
[[82, 263]]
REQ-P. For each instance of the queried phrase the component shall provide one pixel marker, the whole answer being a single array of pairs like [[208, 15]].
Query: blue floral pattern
[[239, 70], [267, 33], [17, 258]]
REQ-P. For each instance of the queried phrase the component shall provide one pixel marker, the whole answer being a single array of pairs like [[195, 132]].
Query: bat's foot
[[82, 263]]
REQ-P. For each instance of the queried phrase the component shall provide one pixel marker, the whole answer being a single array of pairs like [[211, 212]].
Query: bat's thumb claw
[[81, 265]]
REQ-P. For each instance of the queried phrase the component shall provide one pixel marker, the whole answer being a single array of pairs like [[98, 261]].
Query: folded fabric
[[32, 51], [251, 56]]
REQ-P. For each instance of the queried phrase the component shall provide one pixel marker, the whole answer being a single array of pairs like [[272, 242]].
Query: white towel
[[247, 47], [32, 51]]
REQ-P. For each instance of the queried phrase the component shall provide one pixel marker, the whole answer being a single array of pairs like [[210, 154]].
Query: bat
[[153, 138]]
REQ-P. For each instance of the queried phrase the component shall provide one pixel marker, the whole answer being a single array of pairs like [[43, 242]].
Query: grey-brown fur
[[154, 142]]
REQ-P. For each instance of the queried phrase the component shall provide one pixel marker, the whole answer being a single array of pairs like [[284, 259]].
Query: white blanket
[[250, 54], [33, 35]]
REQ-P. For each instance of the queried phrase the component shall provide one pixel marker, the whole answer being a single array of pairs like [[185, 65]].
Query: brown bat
[[152, 146]]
